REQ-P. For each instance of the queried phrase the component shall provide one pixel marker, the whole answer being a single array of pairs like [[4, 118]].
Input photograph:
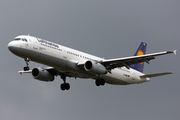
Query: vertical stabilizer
[[140, 51]]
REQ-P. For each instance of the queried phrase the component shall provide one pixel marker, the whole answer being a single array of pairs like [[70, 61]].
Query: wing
[[126, 61]]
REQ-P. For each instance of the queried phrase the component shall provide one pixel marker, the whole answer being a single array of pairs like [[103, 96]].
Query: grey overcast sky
[[105, 28]]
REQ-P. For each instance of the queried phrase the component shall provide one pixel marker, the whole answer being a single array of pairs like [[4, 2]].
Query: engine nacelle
[[94, 67], [42, 75]]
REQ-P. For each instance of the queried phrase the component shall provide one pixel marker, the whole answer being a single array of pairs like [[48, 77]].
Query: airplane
[[67, 62]]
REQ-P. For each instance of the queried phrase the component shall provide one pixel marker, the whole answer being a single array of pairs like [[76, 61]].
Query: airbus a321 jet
[[67, 62]]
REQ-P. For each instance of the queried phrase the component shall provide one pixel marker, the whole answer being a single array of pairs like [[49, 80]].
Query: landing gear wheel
[[65, 86], [27, 63], [100, 82], [26, 68], [97, 82], [62, 86]]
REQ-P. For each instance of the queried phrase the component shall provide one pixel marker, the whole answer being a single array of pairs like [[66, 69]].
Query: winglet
[[175, 51], [172, 52]]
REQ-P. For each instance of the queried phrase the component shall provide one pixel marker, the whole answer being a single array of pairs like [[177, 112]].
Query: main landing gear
[[64, 86], [99, 82], [26, 68]]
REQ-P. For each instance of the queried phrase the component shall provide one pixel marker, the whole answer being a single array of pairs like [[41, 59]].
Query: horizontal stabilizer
[[29, 71], [155, 75]]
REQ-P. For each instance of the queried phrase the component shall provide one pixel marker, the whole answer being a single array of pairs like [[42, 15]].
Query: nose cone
[[11, 46], [14, 47]]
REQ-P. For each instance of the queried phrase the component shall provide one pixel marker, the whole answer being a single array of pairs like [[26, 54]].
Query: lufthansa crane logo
[[140, 52]]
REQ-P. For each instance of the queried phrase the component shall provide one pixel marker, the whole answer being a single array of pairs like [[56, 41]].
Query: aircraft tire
[[26, 68], [67, 86], [62, 86], [102, 82], [97, 82]]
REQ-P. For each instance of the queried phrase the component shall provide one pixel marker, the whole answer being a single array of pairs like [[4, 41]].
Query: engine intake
[[42, 75], [94, 67]]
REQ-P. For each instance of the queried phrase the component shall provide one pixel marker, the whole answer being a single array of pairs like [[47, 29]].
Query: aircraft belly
[[116, 77], [121, 77], [115, 81]]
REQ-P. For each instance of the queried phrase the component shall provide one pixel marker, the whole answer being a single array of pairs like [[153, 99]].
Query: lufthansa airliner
[[68, 62]]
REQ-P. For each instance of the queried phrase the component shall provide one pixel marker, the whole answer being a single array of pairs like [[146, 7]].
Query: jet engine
[[42, 75], [94, 67]]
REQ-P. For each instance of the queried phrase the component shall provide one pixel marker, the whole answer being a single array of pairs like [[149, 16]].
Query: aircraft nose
[[11, 46]]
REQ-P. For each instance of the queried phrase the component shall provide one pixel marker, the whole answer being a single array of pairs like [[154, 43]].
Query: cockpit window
[[22, 39], [16, 39]]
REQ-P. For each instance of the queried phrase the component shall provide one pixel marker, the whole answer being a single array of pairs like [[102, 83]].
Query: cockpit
[[21, 39]]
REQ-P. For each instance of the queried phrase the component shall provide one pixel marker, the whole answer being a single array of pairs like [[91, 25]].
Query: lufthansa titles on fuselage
[[47, 42]]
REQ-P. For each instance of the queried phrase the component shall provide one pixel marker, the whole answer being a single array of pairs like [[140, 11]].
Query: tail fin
[[140, 51]]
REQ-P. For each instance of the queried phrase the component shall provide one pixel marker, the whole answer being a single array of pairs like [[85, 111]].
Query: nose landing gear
[[26, 68]]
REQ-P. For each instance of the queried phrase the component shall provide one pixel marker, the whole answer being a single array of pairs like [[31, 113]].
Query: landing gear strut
[[26, 68], [64, 86]]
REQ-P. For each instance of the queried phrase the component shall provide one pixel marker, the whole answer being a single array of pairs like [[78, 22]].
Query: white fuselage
[[66, 59]]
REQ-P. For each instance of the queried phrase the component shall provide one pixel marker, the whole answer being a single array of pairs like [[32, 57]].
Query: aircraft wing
[[126, 61]]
